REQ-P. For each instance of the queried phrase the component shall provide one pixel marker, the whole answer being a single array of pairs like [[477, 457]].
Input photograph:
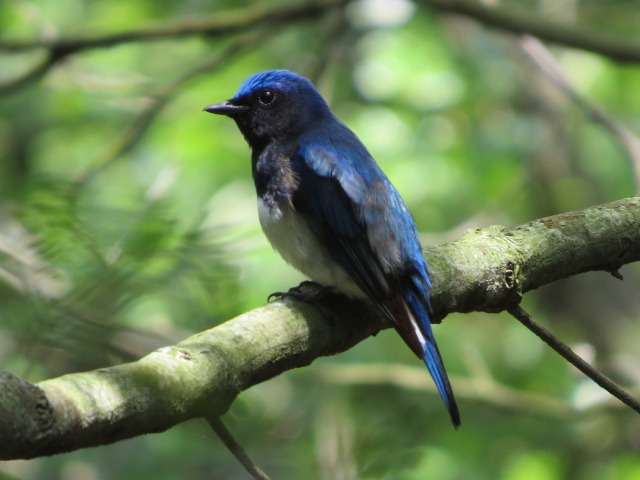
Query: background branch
[[488, 270], [542, 58], [36, 72], [218, 25], [617, 48], [141, 123], [484, 388], [620, 48], [504, 18], [228, 23]]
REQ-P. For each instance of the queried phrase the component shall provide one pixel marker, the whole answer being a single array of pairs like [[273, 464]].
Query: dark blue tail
[[416, 295], [436, 368]]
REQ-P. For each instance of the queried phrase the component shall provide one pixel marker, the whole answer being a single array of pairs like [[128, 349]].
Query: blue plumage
[[329, 210]]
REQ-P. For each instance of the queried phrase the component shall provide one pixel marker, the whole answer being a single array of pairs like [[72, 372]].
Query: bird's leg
[[308, 292]]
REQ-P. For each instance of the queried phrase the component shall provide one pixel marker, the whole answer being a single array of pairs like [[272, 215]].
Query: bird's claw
[[276, 295], [307, 291]]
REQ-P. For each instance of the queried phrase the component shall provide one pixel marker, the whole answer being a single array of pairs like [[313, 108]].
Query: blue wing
[[356, 212]]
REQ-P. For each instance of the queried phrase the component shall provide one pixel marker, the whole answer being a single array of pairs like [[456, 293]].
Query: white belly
[[297, 244]]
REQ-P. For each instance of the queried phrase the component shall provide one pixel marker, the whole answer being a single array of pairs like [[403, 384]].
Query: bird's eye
[[266, 97]]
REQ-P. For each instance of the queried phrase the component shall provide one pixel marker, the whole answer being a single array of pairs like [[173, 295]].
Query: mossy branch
[[487, 270]]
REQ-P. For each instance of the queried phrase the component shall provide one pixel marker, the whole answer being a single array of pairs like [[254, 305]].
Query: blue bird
[[329, 210]]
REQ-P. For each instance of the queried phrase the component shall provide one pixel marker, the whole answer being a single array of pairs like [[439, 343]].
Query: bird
[[328, 209]]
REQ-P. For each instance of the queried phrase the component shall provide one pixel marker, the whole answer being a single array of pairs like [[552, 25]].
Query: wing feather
[[350, 210]]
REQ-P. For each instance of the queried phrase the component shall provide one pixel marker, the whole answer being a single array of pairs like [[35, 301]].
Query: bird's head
[[273, 105]]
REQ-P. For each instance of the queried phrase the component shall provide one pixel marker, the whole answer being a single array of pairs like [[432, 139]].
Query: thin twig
[[563, 349], [542, 58], [36, 72], [235, 448], [141, 123]]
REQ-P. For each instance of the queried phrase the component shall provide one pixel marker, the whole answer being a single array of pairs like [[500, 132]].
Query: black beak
[[226, 108]]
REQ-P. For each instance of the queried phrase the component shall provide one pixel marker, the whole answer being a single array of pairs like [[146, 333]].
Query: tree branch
[[221, 24], [227, 23], [487, 270], [619, 48], [490, 268], [522, 21]]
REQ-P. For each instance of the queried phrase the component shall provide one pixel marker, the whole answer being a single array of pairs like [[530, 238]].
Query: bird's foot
[[307, 291]]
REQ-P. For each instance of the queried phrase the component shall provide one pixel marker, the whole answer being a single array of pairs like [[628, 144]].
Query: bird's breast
[[298, 245]]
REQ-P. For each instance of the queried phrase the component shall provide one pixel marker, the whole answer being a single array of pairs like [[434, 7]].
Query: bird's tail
[[434, 363], [418, 308]]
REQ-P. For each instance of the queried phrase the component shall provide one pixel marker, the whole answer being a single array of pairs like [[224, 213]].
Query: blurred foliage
[[105, 256]]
